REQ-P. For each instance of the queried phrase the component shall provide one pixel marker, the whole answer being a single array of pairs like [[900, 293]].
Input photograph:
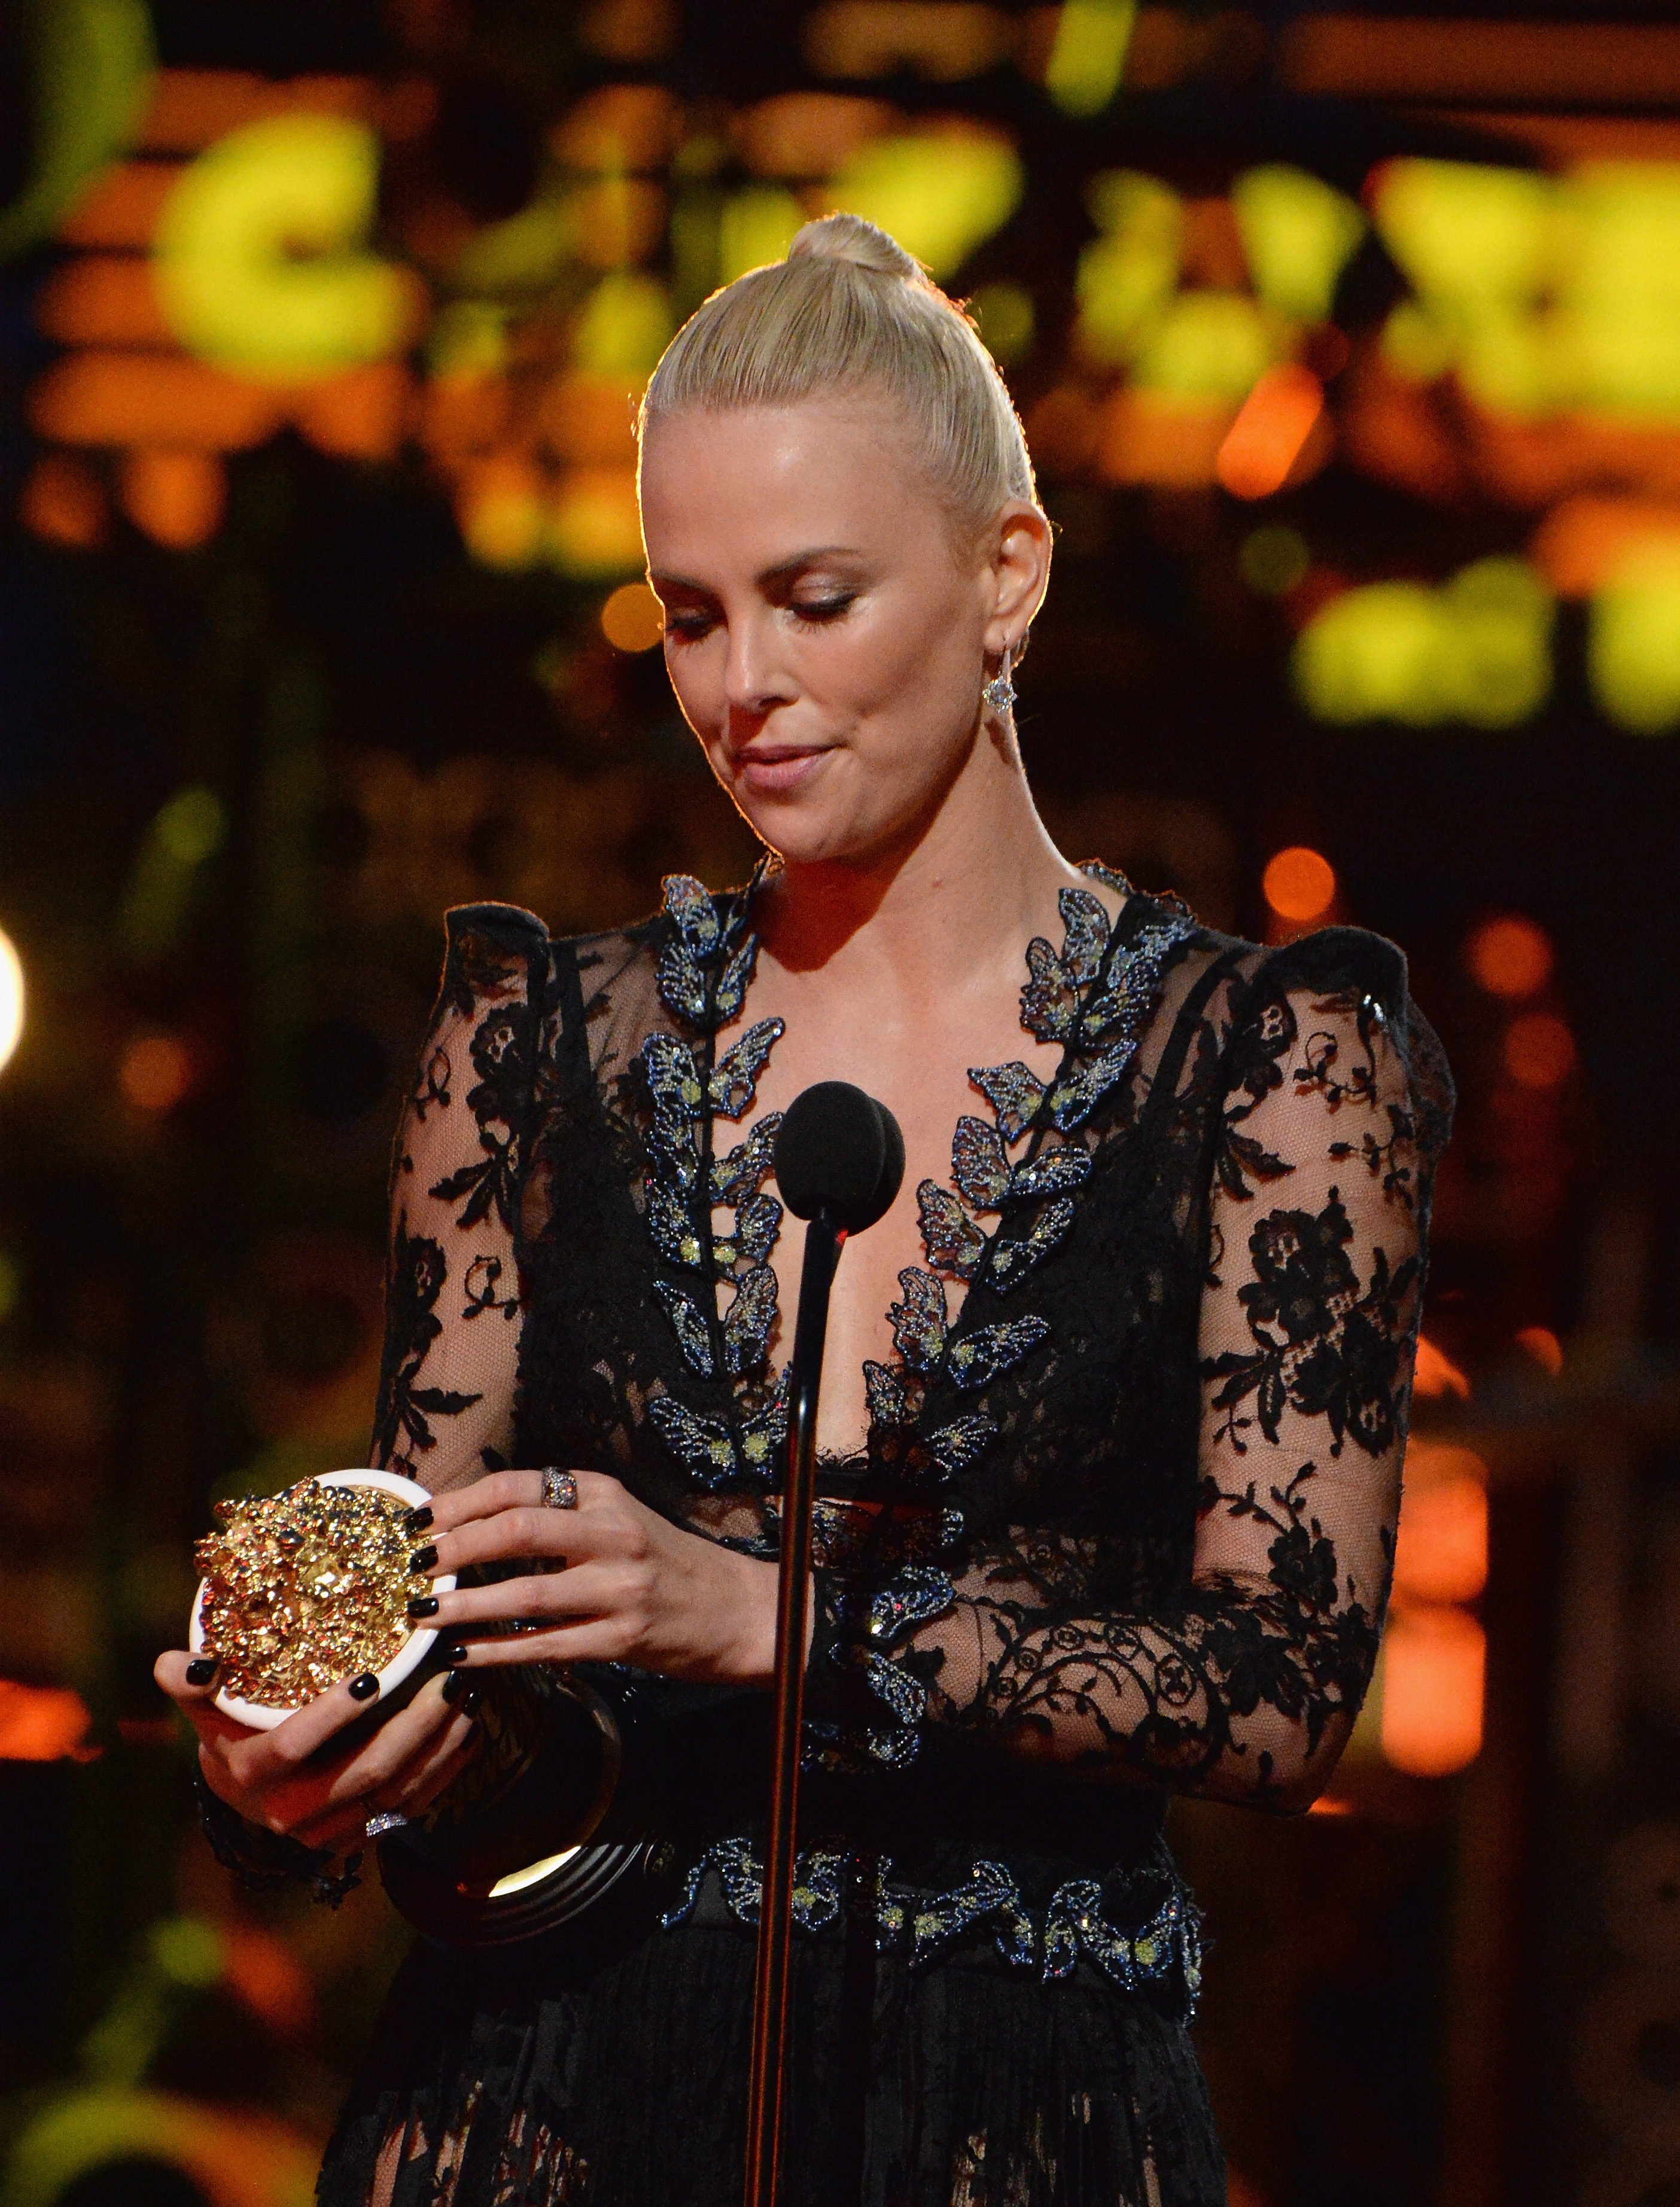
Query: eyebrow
[[784, 570]]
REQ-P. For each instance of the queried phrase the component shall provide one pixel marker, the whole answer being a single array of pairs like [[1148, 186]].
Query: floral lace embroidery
[[1165, 1949]]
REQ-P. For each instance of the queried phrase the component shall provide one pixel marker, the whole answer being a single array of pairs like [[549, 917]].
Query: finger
[[191, 1683], [605, 1639], [274, 1755], [486, 1497], [584, 1589], [412, 1785], [524, 1530], [375, 1765]]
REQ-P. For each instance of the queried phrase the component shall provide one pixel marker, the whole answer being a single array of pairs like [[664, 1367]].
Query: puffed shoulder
[[1352, 964], [508, 923]]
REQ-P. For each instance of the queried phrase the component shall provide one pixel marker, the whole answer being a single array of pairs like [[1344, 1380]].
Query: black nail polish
[[457, 1655], [423, 1558], [469, 1706], [364, 1687], [423, 1604], [418, 1518], [454, 1685], [201, 1670]]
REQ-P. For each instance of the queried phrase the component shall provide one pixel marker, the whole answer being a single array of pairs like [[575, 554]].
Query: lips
[[774, 769]]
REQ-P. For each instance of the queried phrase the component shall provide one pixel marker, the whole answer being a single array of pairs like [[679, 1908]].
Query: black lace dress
[[1124, 1527]]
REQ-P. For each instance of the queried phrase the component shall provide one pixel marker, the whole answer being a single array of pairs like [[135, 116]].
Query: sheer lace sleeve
[[453, 1311], [1244, 1686]]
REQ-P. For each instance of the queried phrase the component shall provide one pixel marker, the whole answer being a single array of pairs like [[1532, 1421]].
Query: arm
[[444, 1415], [1247, 1686]]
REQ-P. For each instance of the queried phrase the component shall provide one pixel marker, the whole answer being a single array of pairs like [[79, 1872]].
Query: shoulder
[[1336, 981]]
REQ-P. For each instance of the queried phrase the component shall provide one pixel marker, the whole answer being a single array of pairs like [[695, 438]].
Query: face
[[826, 632]]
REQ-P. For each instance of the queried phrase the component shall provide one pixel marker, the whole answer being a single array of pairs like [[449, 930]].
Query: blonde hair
[[849, 310]]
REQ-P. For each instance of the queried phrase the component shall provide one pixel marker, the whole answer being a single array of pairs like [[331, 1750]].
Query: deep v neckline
[[1092, 996]]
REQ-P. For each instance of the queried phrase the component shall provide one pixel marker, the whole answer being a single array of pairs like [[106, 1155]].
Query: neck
[[940, 910]]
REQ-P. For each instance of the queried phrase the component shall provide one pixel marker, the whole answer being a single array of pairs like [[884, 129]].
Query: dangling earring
[[998, 696]]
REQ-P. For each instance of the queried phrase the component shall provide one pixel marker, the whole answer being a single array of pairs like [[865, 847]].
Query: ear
[[1017, 567]]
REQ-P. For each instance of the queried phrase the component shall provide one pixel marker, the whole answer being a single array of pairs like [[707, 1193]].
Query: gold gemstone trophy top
[[303, 1589]]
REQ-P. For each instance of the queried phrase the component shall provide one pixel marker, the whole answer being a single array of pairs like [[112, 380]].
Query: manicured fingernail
[[454, 1686], [423, 1558], [201, 1670], [457, 1655], [364, 1687], [418, 1518], [469, 1706], [423, 1604]]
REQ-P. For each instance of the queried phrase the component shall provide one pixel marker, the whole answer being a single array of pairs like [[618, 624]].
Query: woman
[[1114, 1402]]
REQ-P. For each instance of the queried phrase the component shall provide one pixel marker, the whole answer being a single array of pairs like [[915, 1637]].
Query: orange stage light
[[176, 498], [1509, 956], [1298, 884], [120, 209], [151, 399], [64, 502], [632, 618], [1540, 1342], [42, 1724], [104, 298], [1539, 1050], [155, 1072], [362, 414], [1433, 1677], [1442, 1551], [191, 109], [1270, 432], [1437, 1374]]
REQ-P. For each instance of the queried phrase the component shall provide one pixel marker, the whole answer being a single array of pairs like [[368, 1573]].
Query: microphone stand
[[824, 1240]]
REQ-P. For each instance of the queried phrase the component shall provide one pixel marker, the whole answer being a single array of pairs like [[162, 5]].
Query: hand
[[621, 1584], [268, 1778]]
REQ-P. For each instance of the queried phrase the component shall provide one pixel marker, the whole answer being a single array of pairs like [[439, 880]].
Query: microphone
[[839, 1150], [839, 1165]]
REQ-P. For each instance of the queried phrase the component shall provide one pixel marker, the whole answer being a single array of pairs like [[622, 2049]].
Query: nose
[[754, 679]]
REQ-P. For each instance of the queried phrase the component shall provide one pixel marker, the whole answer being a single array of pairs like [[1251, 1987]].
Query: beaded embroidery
[[1164, 1950]]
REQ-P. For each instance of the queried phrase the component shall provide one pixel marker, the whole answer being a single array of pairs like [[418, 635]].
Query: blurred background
[[1349, 347]]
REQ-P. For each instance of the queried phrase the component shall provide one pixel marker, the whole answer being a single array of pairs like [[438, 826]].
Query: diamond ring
[[559, 1489], [383, 1820]]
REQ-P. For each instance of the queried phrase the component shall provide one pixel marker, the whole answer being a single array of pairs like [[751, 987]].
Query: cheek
[[697, 684]]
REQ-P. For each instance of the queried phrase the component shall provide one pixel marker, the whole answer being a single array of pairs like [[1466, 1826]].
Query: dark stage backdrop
[[1348, 347]]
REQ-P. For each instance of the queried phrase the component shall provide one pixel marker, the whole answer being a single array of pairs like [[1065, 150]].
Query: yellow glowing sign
[[755, 227], [1543, 294], [261, 265], [1633, 649], [1127, 275], [1298, 234], [1477, 650], [941, 196], [11, 1000], [1087, 61]]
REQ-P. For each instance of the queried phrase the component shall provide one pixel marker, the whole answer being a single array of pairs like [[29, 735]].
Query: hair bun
[[849, 238]]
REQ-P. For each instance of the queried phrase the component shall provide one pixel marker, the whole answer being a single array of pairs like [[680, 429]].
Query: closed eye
[[817, 611]]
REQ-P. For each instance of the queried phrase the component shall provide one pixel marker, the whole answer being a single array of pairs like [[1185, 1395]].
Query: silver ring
[[383, 1820], [559, 1489]]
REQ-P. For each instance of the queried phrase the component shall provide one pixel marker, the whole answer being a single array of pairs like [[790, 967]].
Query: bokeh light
[[1273, 561], [1441, 1555], [1539, 1050], [1509, 956], [11, 1000], [632, 618], [1540, 1342], [155, 1072], [41, 1724], [1299, 884], [1433, 1665], [1267, 440]]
